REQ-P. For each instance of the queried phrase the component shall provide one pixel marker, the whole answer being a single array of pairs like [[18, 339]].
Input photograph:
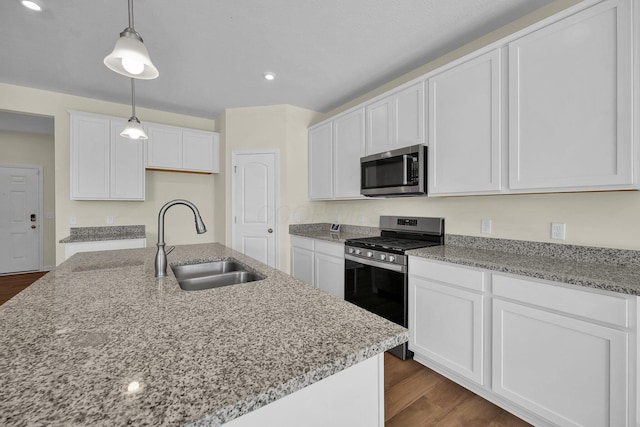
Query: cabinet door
[[570, 102], [197, 151], [348, 140], [302, 264], [379, 136], [90, 146], [329, 274], [127, 165], [446, 326], [164, 147], [320, 162], [569, 371], [409, 117], [464, 127]]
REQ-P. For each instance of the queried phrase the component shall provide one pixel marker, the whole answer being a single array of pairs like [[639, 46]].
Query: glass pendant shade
[[131, 58], [134, 129]]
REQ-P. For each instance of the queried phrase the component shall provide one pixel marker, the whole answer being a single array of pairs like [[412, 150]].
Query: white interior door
[[19, 219], [254, 205]]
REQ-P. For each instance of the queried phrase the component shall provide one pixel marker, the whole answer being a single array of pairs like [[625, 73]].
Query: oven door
[[381, 289]]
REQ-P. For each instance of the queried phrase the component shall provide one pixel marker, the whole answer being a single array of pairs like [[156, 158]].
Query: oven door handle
[[373, 263]]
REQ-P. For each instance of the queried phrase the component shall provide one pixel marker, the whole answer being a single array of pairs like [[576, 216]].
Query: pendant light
[[134, 129], [130, 57]]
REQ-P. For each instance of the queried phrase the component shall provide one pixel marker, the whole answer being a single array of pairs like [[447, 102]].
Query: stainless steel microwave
[[401, 172]]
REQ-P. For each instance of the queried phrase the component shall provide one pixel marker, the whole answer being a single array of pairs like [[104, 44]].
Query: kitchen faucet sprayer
[[161, 254]]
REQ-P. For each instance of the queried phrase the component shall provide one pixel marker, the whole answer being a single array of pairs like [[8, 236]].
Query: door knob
[[270, 230]]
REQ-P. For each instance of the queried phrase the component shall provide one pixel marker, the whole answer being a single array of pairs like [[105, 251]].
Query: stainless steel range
[[376, 276]]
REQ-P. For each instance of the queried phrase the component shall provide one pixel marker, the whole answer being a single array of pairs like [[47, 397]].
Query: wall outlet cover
[[73, 220], [558, 230], [485, 226]]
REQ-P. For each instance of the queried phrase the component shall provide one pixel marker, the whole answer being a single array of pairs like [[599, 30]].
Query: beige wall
[[279, 127], [161, 186], [21, 148]]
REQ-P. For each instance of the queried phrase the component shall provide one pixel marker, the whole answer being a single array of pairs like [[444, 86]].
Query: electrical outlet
[[485, 226], [361, 220], [558, 230], [338, 218], [109, 219], [295, 217], [73, 220]]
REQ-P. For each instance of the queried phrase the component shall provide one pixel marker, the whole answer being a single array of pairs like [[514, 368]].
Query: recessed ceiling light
[[268, 75], [29, 4]]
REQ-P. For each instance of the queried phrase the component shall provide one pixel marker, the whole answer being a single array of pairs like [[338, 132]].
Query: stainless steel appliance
[[376, 276], [401, 172]]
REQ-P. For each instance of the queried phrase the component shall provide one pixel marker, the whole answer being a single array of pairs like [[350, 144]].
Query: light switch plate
[[295, 217], [109, 219], [73, 220], [485, 226]]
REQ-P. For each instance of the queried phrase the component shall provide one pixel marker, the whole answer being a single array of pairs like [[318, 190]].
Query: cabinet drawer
[[302, 242], [333, 249], [447, 273], [600, 307]]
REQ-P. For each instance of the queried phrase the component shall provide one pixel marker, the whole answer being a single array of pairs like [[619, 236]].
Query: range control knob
[[369, 254], [383, 257], [358, 251], [392, 258], [351, 250]]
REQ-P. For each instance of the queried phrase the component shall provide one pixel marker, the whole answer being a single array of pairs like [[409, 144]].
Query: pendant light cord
[[131, 14], [133, 98]]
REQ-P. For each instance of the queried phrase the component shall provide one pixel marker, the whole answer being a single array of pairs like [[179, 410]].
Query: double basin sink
[[214, 274]]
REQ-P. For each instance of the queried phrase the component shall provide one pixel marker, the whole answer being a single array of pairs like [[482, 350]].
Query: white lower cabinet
[[551, 353], [446, 316], [319, 264], [569, 371]]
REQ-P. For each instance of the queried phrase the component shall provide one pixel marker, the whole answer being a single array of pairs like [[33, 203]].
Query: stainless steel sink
[[215, 274], [218, 280], [205, 269]]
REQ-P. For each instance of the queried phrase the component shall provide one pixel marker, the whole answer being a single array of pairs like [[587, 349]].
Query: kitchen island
[[74, 344]]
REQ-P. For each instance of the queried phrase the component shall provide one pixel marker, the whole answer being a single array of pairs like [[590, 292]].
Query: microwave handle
[[405, 161]]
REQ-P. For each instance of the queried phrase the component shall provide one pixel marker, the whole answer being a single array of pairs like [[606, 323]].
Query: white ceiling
[[212, 54]]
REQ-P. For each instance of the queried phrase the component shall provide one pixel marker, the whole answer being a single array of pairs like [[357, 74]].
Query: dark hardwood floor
[[12, 284], [416, 396]]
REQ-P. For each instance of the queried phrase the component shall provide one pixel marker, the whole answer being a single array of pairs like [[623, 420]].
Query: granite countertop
[[112, 232], [322, 231], [72, 342], [616, 270]]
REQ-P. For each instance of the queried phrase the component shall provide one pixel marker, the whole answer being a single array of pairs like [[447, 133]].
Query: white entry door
[[19, 219], [254, 205]]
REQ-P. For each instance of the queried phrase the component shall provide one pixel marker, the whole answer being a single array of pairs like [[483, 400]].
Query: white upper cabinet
[[348, 143], [396, 121], [320, 162], [164, 149], [127, 165], [465, 115], [182, 149], [104, 166], [570, 103], [335, 148]]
